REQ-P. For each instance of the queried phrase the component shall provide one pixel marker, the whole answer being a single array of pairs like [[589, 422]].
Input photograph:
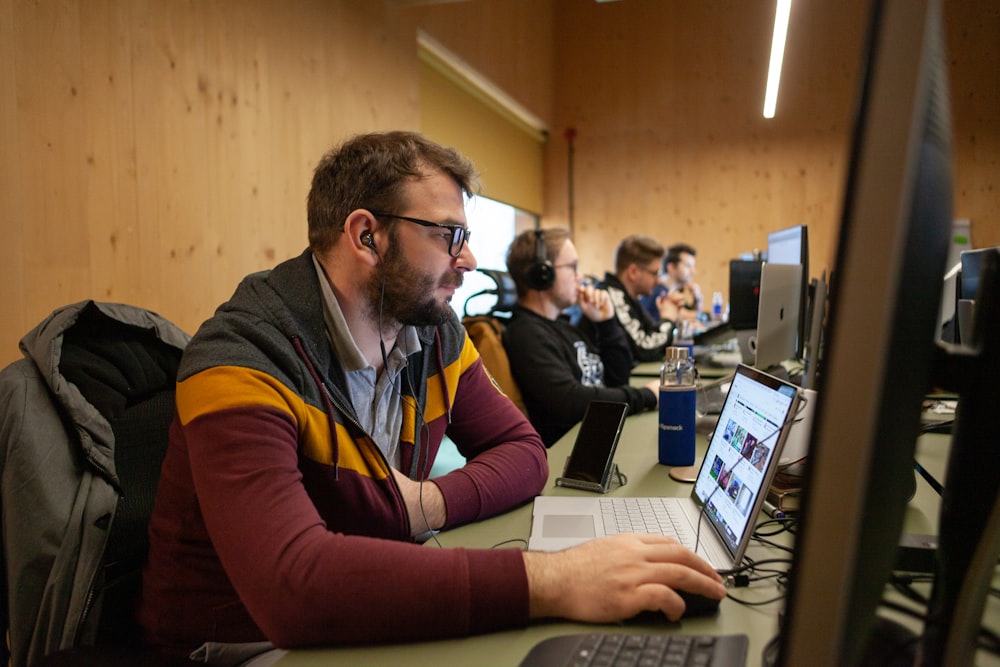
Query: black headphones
[[541, 274]]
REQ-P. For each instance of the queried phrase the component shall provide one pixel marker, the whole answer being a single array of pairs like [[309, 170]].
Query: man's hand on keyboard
[[615, 578]]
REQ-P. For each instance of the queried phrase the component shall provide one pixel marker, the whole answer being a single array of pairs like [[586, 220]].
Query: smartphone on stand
[[590, 465]]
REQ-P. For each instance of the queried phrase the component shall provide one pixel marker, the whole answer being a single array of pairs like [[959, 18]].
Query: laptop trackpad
[[569, 525]]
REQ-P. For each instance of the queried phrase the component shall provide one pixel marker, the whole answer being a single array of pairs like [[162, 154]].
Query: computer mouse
[[695, 606], [698, 605]]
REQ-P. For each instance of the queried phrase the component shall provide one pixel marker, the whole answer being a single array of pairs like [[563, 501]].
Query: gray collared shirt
[[376, 400]]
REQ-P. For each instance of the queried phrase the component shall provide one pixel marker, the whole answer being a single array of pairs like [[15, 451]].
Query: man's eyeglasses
[[459, 234], [575, 266], [652, 272]]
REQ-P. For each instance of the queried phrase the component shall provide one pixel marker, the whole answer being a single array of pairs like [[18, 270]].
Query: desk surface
[[636, 457], [651, 369]]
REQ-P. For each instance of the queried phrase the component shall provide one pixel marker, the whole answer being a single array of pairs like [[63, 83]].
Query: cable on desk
[[988, 640], [769, 656], [786, 524], [903, 584], [757, 603], [936, 485], [514, 540], [753, 572], [773, 545], [772, 527], [750, 565]]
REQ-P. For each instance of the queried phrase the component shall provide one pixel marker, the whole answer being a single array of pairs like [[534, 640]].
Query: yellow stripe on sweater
[[436, 406], [224, 388]]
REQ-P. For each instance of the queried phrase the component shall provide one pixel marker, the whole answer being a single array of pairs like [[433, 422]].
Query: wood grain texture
[[156, 152]]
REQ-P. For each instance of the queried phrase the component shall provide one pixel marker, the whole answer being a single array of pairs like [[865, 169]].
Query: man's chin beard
[[399, 297], [425, 314], [385, 312]]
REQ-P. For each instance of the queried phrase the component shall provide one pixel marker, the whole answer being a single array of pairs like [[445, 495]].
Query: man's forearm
[[424, 503]]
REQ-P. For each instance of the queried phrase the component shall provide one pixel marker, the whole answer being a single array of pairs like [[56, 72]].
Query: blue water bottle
[[677, 408]]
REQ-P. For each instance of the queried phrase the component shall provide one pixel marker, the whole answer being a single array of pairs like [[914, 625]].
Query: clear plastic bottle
[[677, 408], [684, 336]]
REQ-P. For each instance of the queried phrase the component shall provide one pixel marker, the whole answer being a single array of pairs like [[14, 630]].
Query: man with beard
[[310, 408]]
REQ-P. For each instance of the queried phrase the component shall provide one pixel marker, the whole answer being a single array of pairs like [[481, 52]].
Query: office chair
[[84, 419], [504, 290], [486, 331]]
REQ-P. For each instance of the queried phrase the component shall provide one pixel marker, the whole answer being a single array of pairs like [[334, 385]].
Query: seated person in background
[[637, 264], [310, 408], [558, 367], [677, 280]]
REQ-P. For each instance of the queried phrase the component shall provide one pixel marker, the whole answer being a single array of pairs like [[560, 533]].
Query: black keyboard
[[619, 650]]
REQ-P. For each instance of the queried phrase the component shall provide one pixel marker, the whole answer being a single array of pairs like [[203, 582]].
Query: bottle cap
[[680, 353]]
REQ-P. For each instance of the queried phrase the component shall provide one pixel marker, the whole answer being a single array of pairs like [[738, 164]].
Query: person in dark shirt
[[560, 368], [637, 268]]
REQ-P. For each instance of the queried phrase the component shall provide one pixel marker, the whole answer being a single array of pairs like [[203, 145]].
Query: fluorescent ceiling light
[[777, 55]]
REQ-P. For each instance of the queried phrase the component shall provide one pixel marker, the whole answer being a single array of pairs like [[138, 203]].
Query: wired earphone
[[368, 240]]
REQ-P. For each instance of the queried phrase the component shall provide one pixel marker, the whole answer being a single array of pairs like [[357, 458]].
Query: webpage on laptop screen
[[739, 454]]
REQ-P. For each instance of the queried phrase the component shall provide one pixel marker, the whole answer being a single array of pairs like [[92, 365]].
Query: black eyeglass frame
[[459, 233], [655, 274]]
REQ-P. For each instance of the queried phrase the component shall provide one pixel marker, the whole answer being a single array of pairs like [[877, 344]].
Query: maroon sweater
[[277, 517]]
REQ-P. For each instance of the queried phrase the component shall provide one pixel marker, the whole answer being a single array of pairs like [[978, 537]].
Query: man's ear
[[360, 232]]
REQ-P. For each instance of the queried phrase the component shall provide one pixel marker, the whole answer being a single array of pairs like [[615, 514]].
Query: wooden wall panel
[[157, 152], [106, 164], [666, 97], [12, 213], [666, 100], [510, 42], [973, 43]]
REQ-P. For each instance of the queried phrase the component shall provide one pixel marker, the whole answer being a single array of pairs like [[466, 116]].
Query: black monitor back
[[972, 261], [744, 293]]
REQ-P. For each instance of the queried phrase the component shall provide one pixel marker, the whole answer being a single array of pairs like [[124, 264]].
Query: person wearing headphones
[[310, 408], [560, 368]]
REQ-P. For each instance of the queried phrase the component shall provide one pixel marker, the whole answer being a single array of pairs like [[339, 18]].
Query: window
[[493, 225]]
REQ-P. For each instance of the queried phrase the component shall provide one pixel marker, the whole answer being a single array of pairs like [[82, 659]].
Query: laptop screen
[[738, 465]]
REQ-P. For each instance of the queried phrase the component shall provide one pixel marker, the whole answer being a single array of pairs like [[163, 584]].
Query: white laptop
[[719, 516]]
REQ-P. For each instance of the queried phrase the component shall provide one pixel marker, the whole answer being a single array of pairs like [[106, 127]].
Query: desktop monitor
[[744, 294], [879, 347], [972, 262], [791, 246], [971, 267]]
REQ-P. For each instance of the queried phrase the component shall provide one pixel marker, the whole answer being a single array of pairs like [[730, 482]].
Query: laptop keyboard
[[654, 650], [659, 516]]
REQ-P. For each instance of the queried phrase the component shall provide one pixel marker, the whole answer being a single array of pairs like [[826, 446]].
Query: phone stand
[[613, 478]]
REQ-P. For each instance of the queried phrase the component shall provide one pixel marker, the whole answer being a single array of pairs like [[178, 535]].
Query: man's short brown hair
[[368, 171], [637, 249]]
